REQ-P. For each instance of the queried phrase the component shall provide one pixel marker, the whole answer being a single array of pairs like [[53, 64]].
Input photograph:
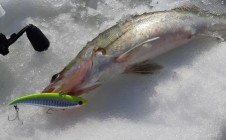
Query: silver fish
[[125, 47]]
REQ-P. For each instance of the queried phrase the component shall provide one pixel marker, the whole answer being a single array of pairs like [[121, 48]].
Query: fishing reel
[[36, 37]]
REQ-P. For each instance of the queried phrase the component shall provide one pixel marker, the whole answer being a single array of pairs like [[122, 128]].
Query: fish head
[[56, 83], [72, 78]]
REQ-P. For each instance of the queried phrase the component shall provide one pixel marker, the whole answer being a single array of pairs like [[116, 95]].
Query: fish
[[128, 47], [51, 100]]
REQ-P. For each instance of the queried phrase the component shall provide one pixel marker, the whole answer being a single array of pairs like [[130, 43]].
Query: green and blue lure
[[51, 100]]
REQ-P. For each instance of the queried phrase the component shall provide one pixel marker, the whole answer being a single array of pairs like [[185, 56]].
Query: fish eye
[[54, 77]]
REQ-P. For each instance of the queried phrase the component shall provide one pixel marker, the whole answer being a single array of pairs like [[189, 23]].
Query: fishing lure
[[51, 100]]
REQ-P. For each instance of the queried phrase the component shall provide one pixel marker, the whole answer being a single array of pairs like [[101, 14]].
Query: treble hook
[[51, 109], [17, 114]]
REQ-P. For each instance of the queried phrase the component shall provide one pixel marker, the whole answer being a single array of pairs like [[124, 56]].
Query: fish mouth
[[50, 89], [85, 89], [53, 88], [71, 84], [75, 91]]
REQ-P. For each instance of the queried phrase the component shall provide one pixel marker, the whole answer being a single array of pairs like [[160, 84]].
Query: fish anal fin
[[143, 68]]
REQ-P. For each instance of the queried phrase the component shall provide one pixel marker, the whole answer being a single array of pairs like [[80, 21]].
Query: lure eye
[[80, 102], [54, 77]]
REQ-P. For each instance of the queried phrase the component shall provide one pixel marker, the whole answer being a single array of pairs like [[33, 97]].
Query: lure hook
[[51, 109], [17, 114], [48, 111]]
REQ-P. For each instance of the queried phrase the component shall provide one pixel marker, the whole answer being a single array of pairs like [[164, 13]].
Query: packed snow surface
[[2, 11], [185, 101]]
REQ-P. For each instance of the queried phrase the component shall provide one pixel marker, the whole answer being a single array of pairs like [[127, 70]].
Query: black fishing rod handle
[[4, 46]]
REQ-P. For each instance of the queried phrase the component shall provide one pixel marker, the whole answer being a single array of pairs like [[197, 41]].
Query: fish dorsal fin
[[188, 8], [195, 10]]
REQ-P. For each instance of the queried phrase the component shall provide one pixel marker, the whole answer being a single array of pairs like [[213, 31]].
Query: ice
[[186, 100]]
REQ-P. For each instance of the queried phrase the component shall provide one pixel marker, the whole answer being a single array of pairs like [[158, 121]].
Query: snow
[[2, 11], [186, 100]]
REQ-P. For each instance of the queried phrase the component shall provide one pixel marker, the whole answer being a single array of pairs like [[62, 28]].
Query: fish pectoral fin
[[144, 68], [125, 56]]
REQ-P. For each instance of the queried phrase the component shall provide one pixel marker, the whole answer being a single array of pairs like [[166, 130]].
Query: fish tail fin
[[219, 26], [216, 31], [222, 35]]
